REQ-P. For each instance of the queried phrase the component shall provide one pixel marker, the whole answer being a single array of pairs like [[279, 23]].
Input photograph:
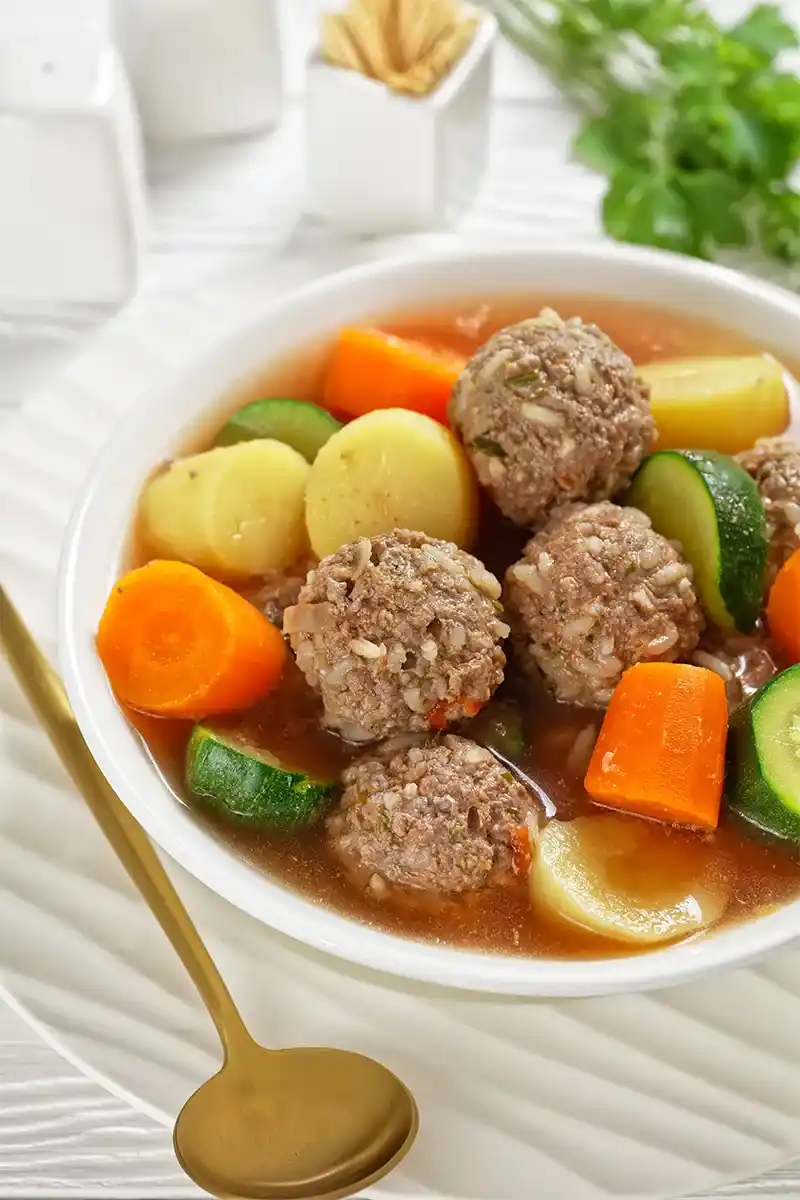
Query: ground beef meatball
[[389, 629], [597, 591], [774, 463], [551, 411], [280, 590], [436, 816]]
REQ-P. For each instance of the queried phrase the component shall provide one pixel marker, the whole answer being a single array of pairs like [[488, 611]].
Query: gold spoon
[[272, 1123]]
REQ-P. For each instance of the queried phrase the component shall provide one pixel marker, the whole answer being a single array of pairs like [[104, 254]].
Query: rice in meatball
[[597, 591], [774, 464], [398, 632], [551, 411], [437, 816]]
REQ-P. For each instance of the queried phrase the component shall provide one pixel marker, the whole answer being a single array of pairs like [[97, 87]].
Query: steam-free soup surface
[[762, 875]]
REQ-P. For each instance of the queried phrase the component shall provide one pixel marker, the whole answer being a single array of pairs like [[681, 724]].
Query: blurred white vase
[[201, 68], [72, 199]]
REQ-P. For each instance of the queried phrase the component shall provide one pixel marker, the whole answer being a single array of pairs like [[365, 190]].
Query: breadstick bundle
[[409, 45]]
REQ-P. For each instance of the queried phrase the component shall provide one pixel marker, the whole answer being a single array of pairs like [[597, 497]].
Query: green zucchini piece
[[708, 503], [303, 426], [249, 786], [763, 784], [500, 727]]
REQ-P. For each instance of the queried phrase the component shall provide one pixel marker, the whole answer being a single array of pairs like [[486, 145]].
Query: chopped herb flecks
[[488, 446]]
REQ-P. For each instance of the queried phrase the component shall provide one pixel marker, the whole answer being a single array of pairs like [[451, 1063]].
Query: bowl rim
[[285, 911]]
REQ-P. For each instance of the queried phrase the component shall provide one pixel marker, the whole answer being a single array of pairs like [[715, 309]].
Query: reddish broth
[[762, 875]]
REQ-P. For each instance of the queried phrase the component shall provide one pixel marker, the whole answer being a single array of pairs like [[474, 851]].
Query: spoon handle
[[46, 693]]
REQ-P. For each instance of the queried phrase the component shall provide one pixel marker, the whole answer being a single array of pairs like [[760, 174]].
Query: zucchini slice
[[303, 426], [763, 785], [500, 727], [708, 503], [249, 786]]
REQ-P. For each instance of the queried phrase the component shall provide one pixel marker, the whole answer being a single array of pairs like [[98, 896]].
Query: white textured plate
[[640, 1096]]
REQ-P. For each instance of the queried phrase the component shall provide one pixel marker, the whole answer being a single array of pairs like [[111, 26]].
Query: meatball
[[551, 411], [774, 463], [436, 816], [390, 629], [280, 590], [597, 591]]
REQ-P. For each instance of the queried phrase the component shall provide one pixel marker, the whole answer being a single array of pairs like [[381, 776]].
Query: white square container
[[202, 68], [72, 195], [381, 163]]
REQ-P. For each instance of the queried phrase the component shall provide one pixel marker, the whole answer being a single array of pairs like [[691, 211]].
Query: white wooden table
[[214, 211]]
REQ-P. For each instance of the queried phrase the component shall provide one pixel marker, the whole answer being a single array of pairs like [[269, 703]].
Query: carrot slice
[[175, 643], [661, 749], [783, 609], [446, 711], [371, 369]]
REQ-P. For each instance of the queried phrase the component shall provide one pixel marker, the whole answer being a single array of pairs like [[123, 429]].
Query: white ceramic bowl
[[158, 426]]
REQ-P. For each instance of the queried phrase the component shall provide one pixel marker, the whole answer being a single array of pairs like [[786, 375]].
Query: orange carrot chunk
[[175, 643], [783, 609], [661, 749], [371, 369]]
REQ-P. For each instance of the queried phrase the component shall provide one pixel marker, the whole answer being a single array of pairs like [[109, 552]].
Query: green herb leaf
[[718, 204], [533, 382], [739, 139], [624, 134], [765, 31], [597, 144], [779, 224], [701, 145], [488, 446], [640, 208]]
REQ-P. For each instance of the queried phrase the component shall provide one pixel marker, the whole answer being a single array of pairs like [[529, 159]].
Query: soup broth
[[496, 919]]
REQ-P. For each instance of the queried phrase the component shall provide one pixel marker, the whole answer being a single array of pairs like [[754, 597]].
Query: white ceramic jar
[[381, 163], [72, 203], [201, 68]]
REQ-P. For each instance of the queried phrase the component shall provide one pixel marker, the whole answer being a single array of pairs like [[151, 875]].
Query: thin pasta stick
[[391, 25], [425, 75], [338, 47], [418, 25], [368, 32], [447, 51], [448, 17], [407, 44]]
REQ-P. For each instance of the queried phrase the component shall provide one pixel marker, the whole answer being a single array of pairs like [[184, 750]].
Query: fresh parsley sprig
[[696, 126]]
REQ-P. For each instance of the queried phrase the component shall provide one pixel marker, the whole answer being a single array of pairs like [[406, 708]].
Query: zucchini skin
[[738, 554], [246, 791], [742, 539], [300, 424], [749, 794]]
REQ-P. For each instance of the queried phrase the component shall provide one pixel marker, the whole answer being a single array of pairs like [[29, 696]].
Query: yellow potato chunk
[[235, 512], [720, 404], [390, 469], [624, 878]]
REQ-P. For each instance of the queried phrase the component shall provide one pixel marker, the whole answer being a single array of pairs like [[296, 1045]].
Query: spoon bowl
[[348, 1120], [308, 1123]]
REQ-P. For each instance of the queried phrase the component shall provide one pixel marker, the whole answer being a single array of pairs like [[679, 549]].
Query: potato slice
[[236, 511], [386, 470], [720, 404], [632, 880]]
